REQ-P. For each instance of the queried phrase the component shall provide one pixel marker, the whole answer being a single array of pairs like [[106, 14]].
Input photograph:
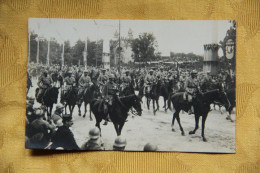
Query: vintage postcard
[[131, 85]]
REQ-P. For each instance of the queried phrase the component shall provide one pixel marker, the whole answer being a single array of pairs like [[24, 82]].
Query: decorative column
[[106, 55], [210, 62], [85, 52], [62, 55], [48, 53]]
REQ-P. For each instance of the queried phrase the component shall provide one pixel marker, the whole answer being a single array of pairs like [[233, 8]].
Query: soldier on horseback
[[102, 79], [110, 93], [69, 83], [84, 84], [44, 83], [126, 80], [191, 89], [148, 81]]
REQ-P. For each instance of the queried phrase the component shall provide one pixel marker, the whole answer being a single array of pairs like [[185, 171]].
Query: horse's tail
[[170, 101]]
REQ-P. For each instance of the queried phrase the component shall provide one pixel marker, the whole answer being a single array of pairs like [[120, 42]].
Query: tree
[[143, 47]]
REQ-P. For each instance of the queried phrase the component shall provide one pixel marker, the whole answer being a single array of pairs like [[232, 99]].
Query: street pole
[[62, 55], [119, 50], [37, 55], [48, 53], [29, 47]]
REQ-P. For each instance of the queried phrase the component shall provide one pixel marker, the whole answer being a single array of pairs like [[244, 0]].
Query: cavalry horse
[[154, 95], [89, 94], [202, 104], [71, 99], [48, 99], [118, 112]]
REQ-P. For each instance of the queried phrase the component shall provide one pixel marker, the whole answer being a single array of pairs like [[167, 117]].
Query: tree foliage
[[143, 47]]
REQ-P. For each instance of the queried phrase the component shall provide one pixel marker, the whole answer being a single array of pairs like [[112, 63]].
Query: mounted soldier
[[125, 80], [191, 89], [84, 84], [148, 81], [102, 79], [44, 83], [69, 83], [110, 93]]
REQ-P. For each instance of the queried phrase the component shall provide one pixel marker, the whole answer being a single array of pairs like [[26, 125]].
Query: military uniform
[[84, 83], [102, 79], [44, 83], [148, 81], [69, 81], [64, 138]]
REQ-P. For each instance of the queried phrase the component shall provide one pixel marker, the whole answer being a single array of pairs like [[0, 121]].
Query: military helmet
[[94, 133], [59, 106], [194, 72], [45, 72], [120, 142], [103, 69], [70, 72], [111, 76], [85, 71], [127, 71], [150, 147], [39, 113], [150, 70]]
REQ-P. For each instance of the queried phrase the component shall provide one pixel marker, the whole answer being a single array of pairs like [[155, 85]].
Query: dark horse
[[71, 99], [128, 90], [201, 107], [91, 93], [165, 90], [118, 111], [49, 98], [154, 96]]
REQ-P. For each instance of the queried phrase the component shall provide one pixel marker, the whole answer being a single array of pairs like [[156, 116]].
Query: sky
[[171, 35]]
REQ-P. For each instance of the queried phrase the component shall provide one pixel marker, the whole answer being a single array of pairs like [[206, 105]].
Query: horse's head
[[222, 98], [137, 104]]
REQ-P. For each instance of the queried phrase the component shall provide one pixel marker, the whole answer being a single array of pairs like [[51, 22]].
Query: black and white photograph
[[131, 85]]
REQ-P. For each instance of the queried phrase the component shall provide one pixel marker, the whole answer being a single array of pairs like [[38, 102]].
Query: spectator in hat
[[40, 131], [119, 144], [58, 113], [64, 137], [94, 142]]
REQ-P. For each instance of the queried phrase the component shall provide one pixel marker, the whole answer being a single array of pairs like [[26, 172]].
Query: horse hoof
[[173, 129], [80, 115], [91, 119], [182, 133], [205, 140], [105, 123], [191, 133], [84, 116]]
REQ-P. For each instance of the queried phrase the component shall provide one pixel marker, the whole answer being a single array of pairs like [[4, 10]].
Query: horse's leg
[[90, 117], [173, 119], [204, 117], [65, 108], [148, 103], [197, 118], [98, 125], [121, 127], [154, 111], [79, 105], [165, 108], [72, 108], [179, 122], [157, 103], [85, 109], [117, 128]]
